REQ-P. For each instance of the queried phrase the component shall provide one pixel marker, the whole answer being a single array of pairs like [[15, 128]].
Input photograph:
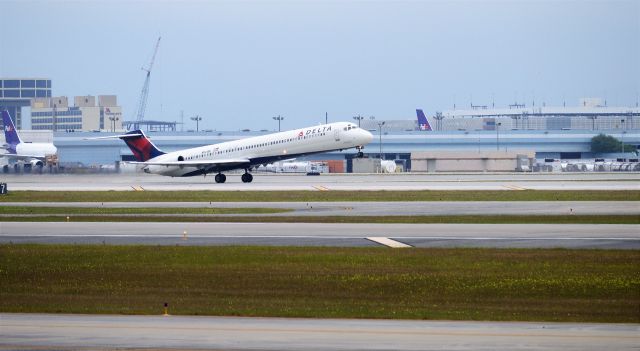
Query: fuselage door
[[336, 134]]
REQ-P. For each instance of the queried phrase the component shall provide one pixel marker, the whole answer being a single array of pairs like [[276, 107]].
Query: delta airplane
[[423, 122], [244, 153], [32, 154]]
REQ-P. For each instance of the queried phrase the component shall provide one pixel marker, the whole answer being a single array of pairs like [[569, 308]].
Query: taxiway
[[603, 236], [73, 332]]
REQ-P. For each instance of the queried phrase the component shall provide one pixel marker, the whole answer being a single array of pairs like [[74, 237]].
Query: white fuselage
[[35, 149], [267, 148]]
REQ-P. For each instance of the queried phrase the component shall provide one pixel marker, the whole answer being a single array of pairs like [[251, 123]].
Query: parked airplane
[[32, 154], [423, 122], [244, 153]]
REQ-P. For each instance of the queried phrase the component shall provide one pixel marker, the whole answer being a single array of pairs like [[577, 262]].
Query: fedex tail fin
[[423, 122], [10, 134], [143, 149]]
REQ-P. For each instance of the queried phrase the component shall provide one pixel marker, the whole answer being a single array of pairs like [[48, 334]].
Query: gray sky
[[238, 63]]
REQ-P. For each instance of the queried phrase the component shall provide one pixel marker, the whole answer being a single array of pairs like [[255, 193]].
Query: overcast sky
[[239, 63]]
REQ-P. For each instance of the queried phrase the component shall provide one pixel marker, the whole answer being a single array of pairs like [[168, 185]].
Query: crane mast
[[142, 104]]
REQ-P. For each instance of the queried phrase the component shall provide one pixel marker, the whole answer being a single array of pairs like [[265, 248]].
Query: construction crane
[[142, 104]]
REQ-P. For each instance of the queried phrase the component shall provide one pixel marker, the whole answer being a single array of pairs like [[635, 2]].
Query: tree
[[606, 143]]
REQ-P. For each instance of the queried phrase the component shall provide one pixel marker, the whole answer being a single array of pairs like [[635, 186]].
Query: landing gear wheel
[[220, 178], [247, 178], [360, 154]]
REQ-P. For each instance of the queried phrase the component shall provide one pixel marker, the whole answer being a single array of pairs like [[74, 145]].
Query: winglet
[[423, 122]]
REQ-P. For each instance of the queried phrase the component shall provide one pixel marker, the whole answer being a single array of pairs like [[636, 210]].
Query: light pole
[[380, 124], [197, 119], [439, 117], [622, 135], [358, 118], [498, 136], [278, 118], [113, 120]]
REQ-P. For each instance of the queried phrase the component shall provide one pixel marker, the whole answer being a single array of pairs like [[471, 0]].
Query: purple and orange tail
[[10, 134], [143, 149], [423, 122]]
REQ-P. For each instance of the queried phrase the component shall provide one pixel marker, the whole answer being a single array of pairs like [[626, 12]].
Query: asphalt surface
[[327, 182], [95, 332], [412, 208], [604, 236]]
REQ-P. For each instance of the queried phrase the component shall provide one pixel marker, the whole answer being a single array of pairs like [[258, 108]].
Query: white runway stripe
[[388, 242]]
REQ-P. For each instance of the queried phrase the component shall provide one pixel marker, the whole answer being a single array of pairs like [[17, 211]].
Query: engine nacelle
[[36, 163]]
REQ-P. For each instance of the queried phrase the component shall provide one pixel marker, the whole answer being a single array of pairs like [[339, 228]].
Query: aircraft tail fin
[[10, 134], [423, 122], [141, 147]]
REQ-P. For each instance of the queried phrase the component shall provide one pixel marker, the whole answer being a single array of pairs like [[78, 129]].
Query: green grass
[[495, 219], [319, 196], [455, 284], [27, 210]]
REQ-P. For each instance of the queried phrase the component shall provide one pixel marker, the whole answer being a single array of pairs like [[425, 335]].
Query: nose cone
[[365, 137]]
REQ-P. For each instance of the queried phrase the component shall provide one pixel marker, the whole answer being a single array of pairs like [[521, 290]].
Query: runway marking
[[320, 188], [388, 242], [137, 188], [514, 187]]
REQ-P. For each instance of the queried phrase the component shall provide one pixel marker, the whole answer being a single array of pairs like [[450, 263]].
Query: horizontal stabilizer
[[122, 136]]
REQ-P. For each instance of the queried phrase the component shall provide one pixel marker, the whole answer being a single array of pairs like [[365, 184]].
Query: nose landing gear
[[360, 153]]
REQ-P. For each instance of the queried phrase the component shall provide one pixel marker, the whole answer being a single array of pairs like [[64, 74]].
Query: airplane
[[32, 154], [244, 153], [423, 122]]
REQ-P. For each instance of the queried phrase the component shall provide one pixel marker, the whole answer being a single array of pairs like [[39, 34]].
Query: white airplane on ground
[[32, 154], [244, 153]]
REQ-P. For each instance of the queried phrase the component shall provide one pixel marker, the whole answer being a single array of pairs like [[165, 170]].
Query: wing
[[201, 164], [23, 157]]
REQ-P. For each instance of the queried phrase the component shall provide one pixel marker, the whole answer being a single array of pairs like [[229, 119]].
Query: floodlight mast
[[142, 104]]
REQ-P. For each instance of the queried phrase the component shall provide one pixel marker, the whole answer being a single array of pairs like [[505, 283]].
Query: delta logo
[[314, 131]]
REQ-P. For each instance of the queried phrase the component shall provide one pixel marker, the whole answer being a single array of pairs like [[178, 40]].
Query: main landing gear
[[220, 178], [247, 177]]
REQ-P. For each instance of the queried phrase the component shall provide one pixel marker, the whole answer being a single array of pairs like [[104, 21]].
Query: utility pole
[[498, 135], [622, 135], [197, 119], [358, 118], [380, 124], [279, 119], [326, 118]]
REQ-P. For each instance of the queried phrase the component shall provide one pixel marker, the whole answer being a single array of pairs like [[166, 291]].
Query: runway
[[70, 332], [574, 236], [328, 182], [394, 208]]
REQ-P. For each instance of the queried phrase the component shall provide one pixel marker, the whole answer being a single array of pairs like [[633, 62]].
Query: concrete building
[[55, 114], [463, 161], [16, 93], [590, 114]]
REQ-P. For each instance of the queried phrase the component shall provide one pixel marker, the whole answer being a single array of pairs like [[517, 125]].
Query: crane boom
[[142, 104]]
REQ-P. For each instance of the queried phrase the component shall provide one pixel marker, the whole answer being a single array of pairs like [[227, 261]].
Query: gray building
[[16, 93]]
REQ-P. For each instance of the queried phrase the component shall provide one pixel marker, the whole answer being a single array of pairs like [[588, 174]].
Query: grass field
[[456, 284], [317, 196], [186, 218]]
